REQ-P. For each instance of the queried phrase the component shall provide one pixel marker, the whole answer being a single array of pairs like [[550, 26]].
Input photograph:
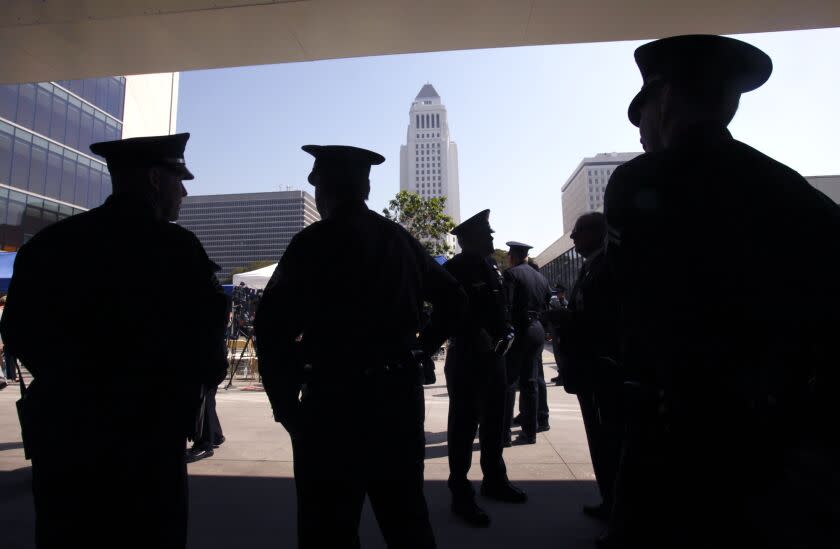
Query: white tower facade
[[429, 159]]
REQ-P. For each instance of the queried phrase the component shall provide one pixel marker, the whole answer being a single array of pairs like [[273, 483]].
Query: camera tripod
[[231, 344]]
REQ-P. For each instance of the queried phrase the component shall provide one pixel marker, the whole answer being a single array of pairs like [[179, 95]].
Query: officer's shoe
[[467, 510], [195, 454], [600, 512], [503, 490], [543, 427], [525, 438]]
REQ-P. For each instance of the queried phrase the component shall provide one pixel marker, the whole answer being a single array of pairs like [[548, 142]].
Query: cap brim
[[187, 174], [634, 111]]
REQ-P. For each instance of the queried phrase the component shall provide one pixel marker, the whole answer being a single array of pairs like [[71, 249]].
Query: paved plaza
[[243, 496]]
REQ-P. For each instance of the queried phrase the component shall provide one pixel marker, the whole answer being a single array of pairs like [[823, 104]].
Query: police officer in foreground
[[528, 293], [111, 450], [357, 427], [730, 394], [475, 374]]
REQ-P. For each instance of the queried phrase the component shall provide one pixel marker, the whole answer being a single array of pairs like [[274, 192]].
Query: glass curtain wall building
[[47, 171]]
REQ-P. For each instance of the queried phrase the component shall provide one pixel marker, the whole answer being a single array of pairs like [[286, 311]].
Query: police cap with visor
[[702, 62], [145, 152], [341, 164], [480, 222]]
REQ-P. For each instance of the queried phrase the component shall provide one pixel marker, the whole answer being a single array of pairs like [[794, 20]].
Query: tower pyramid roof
[[428, 92]]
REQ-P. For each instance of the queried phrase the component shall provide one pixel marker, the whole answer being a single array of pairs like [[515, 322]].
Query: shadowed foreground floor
[[244, 495]]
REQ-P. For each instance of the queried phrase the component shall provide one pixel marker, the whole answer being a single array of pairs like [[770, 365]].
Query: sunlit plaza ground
[[244, 496]]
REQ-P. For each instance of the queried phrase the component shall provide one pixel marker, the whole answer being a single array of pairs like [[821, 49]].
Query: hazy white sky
[[523, 118]]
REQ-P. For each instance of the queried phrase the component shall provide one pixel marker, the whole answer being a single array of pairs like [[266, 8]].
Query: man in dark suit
[[357, 427], [475, 374], [528, 294], [112, 448], [588, 345], [722, 369]]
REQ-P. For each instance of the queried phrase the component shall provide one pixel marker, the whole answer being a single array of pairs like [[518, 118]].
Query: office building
[[237, 229], [429, 159], [47, 171], [583, 192], [828, 184]]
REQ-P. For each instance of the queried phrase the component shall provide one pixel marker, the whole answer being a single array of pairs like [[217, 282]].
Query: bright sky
[[523, 118]]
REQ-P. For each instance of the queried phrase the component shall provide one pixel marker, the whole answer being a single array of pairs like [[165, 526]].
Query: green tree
[[501, 258], [424, 218]]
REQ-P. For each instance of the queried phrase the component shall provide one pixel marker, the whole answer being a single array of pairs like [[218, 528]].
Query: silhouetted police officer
[[475, 374], [357, 429], [588, 345], [724, 378], [108, 454], [528, 294], [542, 391]]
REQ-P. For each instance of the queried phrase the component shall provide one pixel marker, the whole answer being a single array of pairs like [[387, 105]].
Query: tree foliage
[[424, 218], [501, 259]]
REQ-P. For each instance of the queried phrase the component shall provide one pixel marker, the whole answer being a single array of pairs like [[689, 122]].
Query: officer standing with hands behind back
[[363, 393], [84, 438]]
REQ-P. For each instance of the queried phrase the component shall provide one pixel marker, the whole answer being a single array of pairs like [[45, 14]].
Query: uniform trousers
[[211, 431], [604, 430], [542, 395], [523, 361], [358, 439], [477, 392]]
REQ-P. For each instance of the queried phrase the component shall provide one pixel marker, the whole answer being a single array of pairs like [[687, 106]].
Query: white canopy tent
[[255, 279]]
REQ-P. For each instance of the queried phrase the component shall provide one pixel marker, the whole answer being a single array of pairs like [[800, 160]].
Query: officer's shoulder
[[460, 263], [63, 230], [637, 168], [388, 224], [759, 159], [181, 234], [310, 233]]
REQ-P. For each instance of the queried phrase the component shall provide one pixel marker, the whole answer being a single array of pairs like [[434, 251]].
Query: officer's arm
[[449, 306], [208, 311], [277, 325]]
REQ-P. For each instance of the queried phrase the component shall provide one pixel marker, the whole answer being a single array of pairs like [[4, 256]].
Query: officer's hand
[[429, 377], [289, 420]]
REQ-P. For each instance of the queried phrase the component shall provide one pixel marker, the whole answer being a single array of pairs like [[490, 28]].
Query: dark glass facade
[[237, 229], [47, 171], [563, 269]]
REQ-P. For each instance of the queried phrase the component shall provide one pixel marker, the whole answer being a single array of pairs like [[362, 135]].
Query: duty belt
[[313, 373]]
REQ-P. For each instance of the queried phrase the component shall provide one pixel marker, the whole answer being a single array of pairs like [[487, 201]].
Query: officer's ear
[[666, 98], [155, 176]]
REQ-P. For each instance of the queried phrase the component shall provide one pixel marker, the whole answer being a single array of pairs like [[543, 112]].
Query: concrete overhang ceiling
[[62, 39]]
